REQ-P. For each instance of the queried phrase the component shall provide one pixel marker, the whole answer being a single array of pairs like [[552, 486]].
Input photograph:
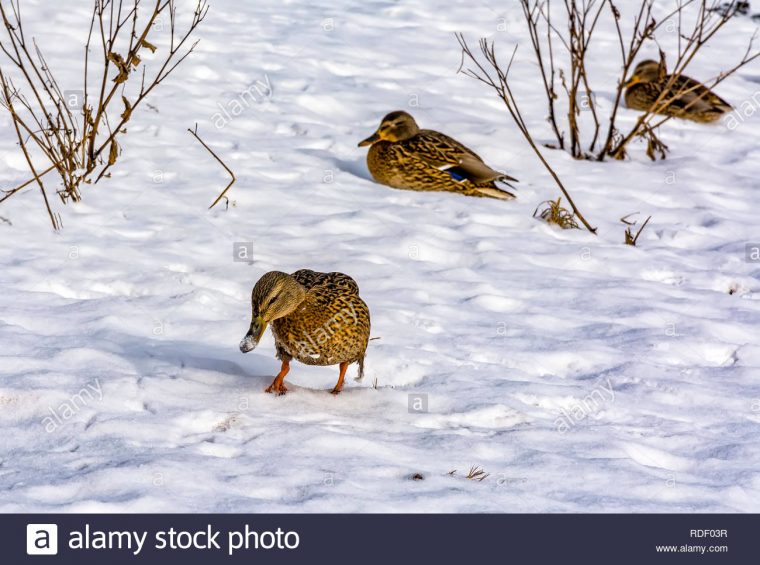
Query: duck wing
[[326, 282], [697, 97], [447, 154]]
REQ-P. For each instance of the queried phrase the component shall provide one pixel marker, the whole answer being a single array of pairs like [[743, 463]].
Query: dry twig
[[630, 237], [194, 133]]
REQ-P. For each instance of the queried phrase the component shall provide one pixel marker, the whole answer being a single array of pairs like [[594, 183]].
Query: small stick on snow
[[194, 133]]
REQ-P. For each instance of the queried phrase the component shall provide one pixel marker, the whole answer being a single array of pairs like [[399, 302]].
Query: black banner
[[381, 539]]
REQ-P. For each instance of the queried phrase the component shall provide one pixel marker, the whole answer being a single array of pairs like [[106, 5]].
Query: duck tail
[[506, 179], [494, 192], [360, 375]]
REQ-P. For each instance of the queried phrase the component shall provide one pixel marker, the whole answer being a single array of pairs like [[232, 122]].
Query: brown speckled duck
[[316, 318], [404, 156], [691, 100]]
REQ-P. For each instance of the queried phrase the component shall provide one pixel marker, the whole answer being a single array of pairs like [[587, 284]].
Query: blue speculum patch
[[457, 174]]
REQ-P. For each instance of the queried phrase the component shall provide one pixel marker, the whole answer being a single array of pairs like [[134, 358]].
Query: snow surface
[[580, 373]]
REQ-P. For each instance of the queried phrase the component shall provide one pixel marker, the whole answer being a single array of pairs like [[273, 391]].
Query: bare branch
[[499, 82], [82, 144]]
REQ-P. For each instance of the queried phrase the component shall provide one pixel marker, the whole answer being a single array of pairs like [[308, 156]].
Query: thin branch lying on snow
[[492, 74], [194, 133], [82, 144]]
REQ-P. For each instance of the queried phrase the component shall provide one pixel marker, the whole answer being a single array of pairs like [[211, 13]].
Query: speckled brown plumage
[[316, 318], [689, 99], [403, 156]]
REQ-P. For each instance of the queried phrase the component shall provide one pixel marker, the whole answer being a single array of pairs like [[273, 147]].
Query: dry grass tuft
[[630, 237], [477, 474], [556, 214]]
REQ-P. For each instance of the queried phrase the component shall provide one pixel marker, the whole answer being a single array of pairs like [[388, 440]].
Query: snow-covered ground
[[580, 373]]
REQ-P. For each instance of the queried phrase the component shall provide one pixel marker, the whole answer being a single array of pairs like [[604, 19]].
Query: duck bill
[[370, 140], [251, 339], [630, 82]]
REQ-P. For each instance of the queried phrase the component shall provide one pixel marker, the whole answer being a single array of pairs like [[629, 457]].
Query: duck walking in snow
[[316, 318], [686, 98], [402, 155]]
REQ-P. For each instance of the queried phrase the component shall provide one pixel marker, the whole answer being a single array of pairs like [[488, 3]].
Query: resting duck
[[689, 99], [316, 318], [402, 155]]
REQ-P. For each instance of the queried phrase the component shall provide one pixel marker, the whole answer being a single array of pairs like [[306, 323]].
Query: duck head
[[646, 71], [396, 126], [275, 295]]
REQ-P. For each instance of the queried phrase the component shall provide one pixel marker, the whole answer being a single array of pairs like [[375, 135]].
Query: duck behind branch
[[685, 98]]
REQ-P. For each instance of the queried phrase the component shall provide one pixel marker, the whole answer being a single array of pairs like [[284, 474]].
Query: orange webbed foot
[[341, 376], [278, 385], [277, 390]]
